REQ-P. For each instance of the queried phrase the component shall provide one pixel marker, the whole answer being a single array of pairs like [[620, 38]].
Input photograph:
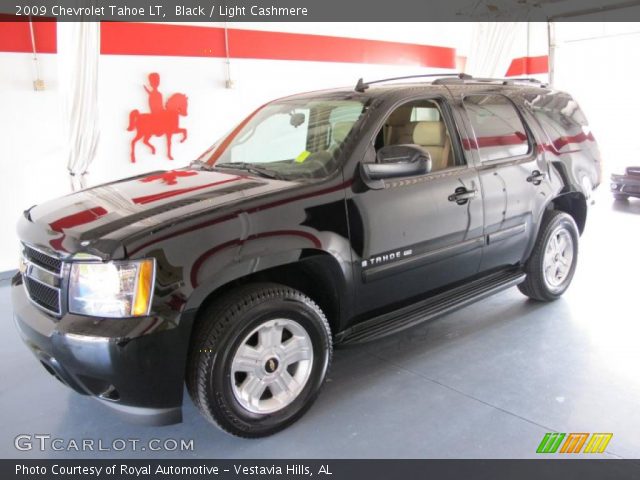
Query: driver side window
[[421, 123]]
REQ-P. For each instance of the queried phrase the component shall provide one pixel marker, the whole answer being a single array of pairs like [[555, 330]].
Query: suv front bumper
[[625, 185], [135, 366]]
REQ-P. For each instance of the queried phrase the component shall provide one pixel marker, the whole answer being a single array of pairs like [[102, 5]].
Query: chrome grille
[[43, 295], [46, 261], [42, 278]]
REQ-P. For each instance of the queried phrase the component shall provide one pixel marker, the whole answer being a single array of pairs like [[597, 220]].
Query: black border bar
[[320, 10], [582, 469]]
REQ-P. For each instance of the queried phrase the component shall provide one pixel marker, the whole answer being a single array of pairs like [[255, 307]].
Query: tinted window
[[499, 132], [562, 120], [425, 114]]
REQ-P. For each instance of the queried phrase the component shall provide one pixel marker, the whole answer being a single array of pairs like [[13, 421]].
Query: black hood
[[108, 213]]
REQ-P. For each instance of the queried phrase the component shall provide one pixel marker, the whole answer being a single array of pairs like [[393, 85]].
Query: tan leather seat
[[433, 137], [404, 133], [398, 126]]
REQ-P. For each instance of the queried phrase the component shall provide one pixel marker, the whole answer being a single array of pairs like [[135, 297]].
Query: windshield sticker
[[303, 156]]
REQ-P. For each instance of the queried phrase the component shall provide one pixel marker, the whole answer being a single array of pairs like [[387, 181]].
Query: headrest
[[429, 134], [400, 116], [341, 130]]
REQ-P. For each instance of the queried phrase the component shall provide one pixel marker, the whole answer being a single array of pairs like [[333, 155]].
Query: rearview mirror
[[297, 119], [395, 161]]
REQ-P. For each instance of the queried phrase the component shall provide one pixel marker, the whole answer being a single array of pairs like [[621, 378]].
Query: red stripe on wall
[[126, 38], [295, 46], [16, 37], [156, 39], [528, 66], [194, 41]]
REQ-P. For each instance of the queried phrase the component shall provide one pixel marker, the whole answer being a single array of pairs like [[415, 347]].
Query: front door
[[418, 233]]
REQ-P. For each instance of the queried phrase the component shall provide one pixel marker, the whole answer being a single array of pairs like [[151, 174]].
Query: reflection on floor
[[487, 381]]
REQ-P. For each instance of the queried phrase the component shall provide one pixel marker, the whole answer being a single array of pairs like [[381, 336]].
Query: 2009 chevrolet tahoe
[[322, 218]]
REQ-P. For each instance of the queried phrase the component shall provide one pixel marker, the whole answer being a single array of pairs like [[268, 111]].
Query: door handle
[[462, 195], [536, 177]]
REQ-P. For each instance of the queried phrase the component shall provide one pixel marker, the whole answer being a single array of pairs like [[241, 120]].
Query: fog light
[[614, 186]]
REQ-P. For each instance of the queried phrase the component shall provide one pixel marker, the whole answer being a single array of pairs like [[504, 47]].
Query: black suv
[[324, 218]]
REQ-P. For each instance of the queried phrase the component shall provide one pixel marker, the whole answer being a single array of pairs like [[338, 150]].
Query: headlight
[[114, 289]]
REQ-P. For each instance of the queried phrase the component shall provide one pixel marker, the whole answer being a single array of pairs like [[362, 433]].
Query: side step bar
[[430, 308]]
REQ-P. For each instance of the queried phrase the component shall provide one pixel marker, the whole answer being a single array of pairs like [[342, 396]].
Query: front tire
[[258, 358], [621, 197], [552, 263]]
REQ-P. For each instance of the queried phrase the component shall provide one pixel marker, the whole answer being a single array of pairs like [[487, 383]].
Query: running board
[[430, 308]]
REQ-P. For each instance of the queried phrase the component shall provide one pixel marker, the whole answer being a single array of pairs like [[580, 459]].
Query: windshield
[[288, 139]]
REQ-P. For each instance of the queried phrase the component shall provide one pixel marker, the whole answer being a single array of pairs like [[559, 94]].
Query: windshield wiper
[[251, 168]]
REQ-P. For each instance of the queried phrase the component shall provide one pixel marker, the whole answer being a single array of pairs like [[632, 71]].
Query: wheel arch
[[316, 273], [574, 204]]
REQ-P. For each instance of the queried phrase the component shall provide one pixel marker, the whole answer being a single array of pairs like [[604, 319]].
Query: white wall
[[32, 169], [596, 63]]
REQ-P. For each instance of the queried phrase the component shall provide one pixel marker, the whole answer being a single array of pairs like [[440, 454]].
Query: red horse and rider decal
[[161, 120]]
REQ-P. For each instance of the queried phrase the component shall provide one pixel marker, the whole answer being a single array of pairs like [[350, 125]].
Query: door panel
[[513, 176], [415, 238], [509, 206]]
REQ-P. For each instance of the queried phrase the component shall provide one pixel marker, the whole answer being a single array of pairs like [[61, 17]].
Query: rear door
[[514, 176]]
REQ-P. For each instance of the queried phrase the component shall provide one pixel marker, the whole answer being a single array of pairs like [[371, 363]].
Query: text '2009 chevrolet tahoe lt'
[[325, 218]]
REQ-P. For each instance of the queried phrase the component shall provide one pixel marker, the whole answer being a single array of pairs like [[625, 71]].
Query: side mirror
[[395, 161]]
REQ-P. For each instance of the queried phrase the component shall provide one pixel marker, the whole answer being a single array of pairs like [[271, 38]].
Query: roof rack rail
[[361, 86], [527, 80], [502, 81]]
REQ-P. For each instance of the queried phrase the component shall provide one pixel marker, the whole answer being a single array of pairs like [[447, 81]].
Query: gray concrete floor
[[485, 382]]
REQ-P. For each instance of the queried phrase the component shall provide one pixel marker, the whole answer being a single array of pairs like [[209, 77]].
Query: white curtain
[[491, 49], [78, 58]]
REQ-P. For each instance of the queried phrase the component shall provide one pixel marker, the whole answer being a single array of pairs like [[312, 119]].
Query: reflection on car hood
[[115, 210]]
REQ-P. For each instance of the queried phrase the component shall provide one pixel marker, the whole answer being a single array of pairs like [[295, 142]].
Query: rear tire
[[259, 356], [552, 263]]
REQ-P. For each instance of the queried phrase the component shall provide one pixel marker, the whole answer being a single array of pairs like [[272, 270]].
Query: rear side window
[[425, 114], [499, 131], [562, 120]]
